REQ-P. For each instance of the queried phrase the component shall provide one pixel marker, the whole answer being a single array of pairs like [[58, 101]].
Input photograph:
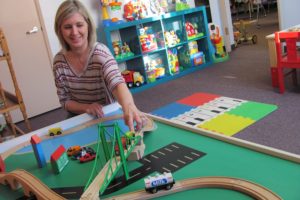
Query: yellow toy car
[[55, 131]]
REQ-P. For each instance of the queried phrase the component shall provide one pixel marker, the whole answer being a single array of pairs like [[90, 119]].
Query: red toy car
[[87, 157], [117, 150]]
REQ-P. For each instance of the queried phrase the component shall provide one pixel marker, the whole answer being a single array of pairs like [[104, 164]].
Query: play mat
[[215, 113]]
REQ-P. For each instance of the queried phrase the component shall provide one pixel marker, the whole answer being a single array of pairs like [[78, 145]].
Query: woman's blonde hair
[[65, 10]]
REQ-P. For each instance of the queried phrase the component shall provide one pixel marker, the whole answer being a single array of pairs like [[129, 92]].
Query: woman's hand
[[133, 115], [95, 109]]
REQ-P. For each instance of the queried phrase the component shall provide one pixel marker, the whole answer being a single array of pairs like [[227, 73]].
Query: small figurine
[[171, 38], [190, 30], [128, 12], [116, 47], [156, 8], [125, 48]]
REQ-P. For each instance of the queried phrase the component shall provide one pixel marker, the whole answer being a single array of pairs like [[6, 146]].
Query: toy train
[[158, 182]]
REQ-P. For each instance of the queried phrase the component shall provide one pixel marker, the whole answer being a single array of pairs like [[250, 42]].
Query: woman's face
[[75, 31]]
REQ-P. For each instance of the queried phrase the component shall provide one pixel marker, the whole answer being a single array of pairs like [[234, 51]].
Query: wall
[[48, 10], [288, 13]]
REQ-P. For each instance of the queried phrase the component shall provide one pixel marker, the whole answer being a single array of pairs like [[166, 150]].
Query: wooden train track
[[249, 188], [92, 191], [32, 186]]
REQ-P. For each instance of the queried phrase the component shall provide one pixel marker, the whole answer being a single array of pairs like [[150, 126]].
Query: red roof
[[35, 139], [57, 153]]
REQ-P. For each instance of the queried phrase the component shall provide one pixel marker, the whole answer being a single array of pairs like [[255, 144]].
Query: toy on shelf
[[55, 131], [164, 5], [147, 39], [114, 6], [121, 52], [192, 30], [181, 5], [133, 78], [156, 7], [171, 38], [158, 182], [173, 60], [154, 67], [59, 159], [197, 58], [190, 56], [217, 40], [134, 10]]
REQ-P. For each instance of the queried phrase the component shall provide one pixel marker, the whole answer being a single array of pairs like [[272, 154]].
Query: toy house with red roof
[[59, 159]]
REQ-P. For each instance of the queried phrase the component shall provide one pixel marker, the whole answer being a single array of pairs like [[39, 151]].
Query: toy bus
[[158, 182]]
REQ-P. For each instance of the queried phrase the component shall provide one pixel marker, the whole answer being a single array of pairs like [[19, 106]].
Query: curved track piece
[[31, 185], [252, 189]]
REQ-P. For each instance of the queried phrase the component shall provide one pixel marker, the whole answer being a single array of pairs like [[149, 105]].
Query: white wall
[[49, 8], [288, 13]]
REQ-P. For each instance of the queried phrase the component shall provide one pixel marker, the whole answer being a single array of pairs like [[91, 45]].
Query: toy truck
[[133, 78], [159, 181], [55, 131]]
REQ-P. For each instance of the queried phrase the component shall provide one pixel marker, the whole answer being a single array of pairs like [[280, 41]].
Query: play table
[[186, 152]]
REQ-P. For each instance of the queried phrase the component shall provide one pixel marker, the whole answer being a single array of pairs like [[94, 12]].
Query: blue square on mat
[[172, 110]]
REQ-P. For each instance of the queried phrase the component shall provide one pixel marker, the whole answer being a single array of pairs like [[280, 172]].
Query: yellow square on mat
[[227, 124]]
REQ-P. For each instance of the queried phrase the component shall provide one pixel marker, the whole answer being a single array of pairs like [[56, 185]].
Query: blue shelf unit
[[163, 47]]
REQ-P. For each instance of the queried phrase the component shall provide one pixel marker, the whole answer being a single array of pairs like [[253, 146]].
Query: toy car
[[73, 150], [159, 181], [55, 131], [117, 149], [87, 157], [129, 135], [132, 78], [82, 152]]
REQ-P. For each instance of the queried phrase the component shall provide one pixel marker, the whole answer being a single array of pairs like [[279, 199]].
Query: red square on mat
[[197, 99]]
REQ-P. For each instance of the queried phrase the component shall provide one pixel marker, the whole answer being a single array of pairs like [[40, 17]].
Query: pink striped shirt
[[95, 84]]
